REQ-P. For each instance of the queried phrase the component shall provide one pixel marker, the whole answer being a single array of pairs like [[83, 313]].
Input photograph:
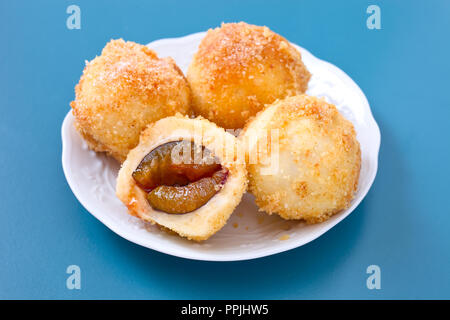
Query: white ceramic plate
[[248, 234]]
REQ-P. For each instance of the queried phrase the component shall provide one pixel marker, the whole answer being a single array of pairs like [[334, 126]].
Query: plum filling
[[179, 176]]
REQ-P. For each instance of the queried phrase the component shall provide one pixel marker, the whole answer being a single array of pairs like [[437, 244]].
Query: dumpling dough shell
[[211, 217], [123, 90], [319, 159], [239, 68]]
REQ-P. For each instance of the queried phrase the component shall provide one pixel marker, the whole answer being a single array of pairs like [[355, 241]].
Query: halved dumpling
[[186, 175]]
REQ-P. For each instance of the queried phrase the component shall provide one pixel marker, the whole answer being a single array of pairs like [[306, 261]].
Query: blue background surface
[[403, 225]]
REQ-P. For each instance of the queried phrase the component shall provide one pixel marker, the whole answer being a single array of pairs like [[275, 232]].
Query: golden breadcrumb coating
[[319, 159], [239, 68], [203, 222], [122, 91]]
